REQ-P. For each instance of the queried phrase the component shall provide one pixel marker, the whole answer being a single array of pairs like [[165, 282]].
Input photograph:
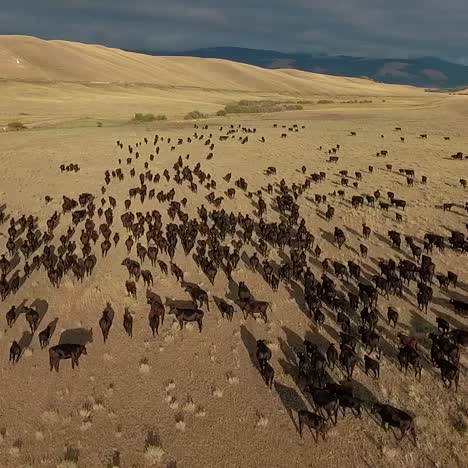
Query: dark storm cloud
[[384, 28]]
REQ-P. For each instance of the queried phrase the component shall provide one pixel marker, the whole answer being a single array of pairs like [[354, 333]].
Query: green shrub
[[325, 101], [221, 113], [195, 115], [16, 125], [139, 117], [245, 106]]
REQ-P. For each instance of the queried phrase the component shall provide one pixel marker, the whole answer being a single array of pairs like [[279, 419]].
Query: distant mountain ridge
[[427, 72]]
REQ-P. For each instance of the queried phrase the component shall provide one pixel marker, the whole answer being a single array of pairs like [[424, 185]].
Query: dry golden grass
[[144, 387]]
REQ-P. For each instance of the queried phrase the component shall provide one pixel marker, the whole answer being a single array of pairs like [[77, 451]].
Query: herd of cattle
[[216, 240]]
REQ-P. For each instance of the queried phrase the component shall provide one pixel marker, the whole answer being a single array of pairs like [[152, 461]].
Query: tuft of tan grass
[[50, 416], [180, 423], [170, 386], [144, 366], [200, 412], [70, 460], [98, 404], [262, 420], [110, 390], [232, 379], [15, 450], [67, 464], [189, 405], [154, 453], [217, 392], [85, 410], [86, 424], [174, 404]]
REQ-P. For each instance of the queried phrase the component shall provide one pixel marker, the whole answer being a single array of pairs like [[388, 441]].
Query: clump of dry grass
[[154, 453], [232, 379], [262, 420], [50, 416], [67, 464], [173, 404], [200, 412], [144, 366], [180, 423], [85, 410], [189, 405], [70, 460], [15, 449], [217, 392], [86, 424], [170, 386], [110, 390], [98, 404]]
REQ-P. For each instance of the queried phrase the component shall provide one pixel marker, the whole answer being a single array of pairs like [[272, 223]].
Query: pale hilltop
[[29, 58]]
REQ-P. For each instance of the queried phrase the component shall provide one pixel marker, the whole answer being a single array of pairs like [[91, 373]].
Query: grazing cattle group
[[217, 240]]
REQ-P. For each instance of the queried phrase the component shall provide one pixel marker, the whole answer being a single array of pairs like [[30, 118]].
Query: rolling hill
[[29, 58]]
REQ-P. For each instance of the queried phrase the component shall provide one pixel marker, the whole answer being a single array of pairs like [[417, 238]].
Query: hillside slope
[[29, 58]]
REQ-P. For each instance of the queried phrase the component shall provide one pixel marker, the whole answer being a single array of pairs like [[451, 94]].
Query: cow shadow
[[353, 231], [233, 290], [291, 401], [81, 336], [41, 306], [179, 303], [24, 342], [296, 292], [363, 393], [328, 237], [250, 344]]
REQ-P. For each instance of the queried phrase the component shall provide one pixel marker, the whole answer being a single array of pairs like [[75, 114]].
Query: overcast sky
[[379, 28]]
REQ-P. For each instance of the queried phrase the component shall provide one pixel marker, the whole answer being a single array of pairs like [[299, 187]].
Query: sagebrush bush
[[16, 125], [139, 117], [245, 106], [325, 101], [195, 115]]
